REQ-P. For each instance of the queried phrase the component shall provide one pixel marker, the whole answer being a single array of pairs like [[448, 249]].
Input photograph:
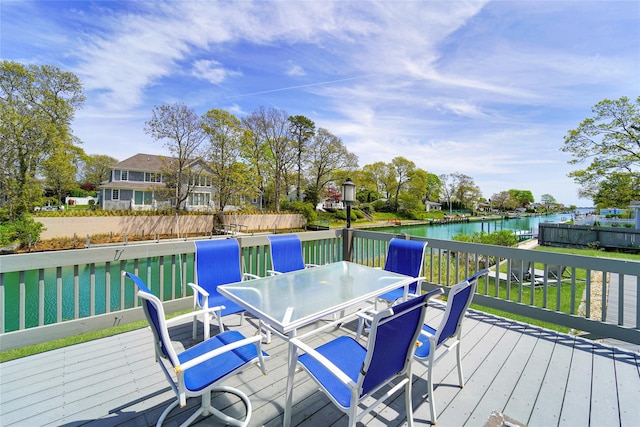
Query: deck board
[[532, 375], [578, 387], [548, 403], [497, 394]]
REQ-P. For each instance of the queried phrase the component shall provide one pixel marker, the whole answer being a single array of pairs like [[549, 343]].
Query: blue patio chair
[[404, 257], [286, 254], [217, 262], [200, 369], [349, 373], [448, 334]]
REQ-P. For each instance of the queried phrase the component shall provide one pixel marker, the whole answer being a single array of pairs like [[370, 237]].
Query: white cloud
[[211, 71], [295, 70]]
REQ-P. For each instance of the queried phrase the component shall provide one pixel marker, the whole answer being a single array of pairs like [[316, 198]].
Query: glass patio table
[[290, 301]]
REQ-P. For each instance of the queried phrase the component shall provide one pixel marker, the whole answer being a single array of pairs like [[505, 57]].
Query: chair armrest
[[218, 351], [181, 317], [335, 371], [365, 314], [249, 276], [426, 334], [198, 289]]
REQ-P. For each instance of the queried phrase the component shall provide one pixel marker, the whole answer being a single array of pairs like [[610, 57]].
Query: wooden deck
[[534, 376]]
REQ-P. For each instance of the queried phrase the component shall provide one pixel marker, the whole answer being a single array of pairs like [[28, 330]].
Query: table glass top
[[290, 299]]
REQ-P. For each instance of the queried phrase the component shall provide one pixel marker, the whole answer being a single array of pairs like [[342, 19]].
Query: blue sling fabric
[[286, 253], [218, 263]]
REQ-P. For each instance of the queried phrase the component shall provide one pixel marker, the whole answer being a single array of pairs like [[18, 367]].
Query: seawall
[[67, 227]]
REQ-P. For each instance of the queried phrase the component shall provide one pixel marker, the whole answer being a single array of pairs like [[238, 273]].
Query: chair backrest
[[520, 269], [392, 341], [154, 312], [458, 302], [406, 257], [217, 262], [556, 271], [286, 253]]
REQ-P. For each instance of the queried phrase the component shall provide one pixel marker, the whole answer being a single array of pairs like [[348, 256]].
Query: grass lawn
[[551, 299]]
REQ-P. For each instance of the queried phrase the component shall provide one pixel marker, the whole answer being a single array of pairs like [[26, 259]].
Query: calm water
[[149, 269], [447, 231]]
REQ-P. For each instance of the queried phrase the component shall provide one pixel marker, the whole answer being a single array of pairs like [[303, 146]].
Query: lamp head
[[348, 192]]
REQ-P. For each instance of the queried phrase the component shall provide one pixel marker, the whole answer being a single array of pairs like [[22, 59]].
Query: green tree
[[412, 199], [618, 189], [327, 156], [269, 129], [374, 177], [180, 129], [226, 137], [403, 171], [547, 200], [522, 197], [610, 141], [60, 170], [37, 106], [460, 188], [95, 169], [302, 130], [504, 200], [433, 188]]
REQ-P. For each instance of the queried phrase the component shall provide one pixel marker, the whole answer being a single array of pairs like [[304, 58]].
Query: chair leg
[[166, 412], [206, 409], [227, 419], [459, 361], [407, 399], [206, 320], [432, 404], [195, 328], [360, 328], [220, 324]]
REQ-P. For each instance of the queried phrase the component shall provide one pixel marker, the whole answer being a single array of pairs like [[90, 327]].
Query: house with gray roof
[[138, 183]]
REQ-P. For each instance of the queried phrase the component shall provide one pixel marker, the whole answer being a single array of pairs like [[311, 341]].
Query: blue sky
[[488, 89]]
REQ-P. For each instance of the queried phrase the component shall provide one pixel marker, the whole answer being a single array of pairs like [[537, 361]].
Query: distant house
[[432, 206], [136, 183]]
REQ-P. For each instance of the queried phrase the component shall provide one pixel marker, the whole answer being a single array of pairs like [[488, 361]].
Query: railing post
[[347, 244]]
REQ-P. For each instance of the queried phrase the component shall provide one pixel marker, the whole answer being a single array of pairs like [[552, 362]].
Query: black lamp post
[[348, 197]]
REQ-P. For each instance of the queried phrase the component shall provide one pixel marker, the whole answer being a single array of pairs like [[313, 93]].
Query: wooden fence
[[567, 235]]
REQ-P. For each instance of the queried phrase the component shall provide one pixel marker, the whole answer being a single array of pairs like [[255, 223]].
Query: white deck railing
[[49, 295]]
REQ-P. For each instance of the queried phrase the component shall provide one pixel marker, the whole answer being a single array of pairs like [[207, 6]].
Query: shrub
[[7, 234], [499, 238], [342, 215], [24, 230], [303, 208]]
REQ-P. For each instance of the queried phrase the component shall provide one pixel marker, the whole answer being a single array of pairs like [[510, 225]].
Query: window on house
[[199, 199], [115, 194], [201, 181], [124, 175], [152, 177]]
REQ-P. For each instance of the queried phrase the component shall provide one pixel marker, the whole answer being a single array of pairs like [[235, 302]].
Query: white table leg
[[292, 360]]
